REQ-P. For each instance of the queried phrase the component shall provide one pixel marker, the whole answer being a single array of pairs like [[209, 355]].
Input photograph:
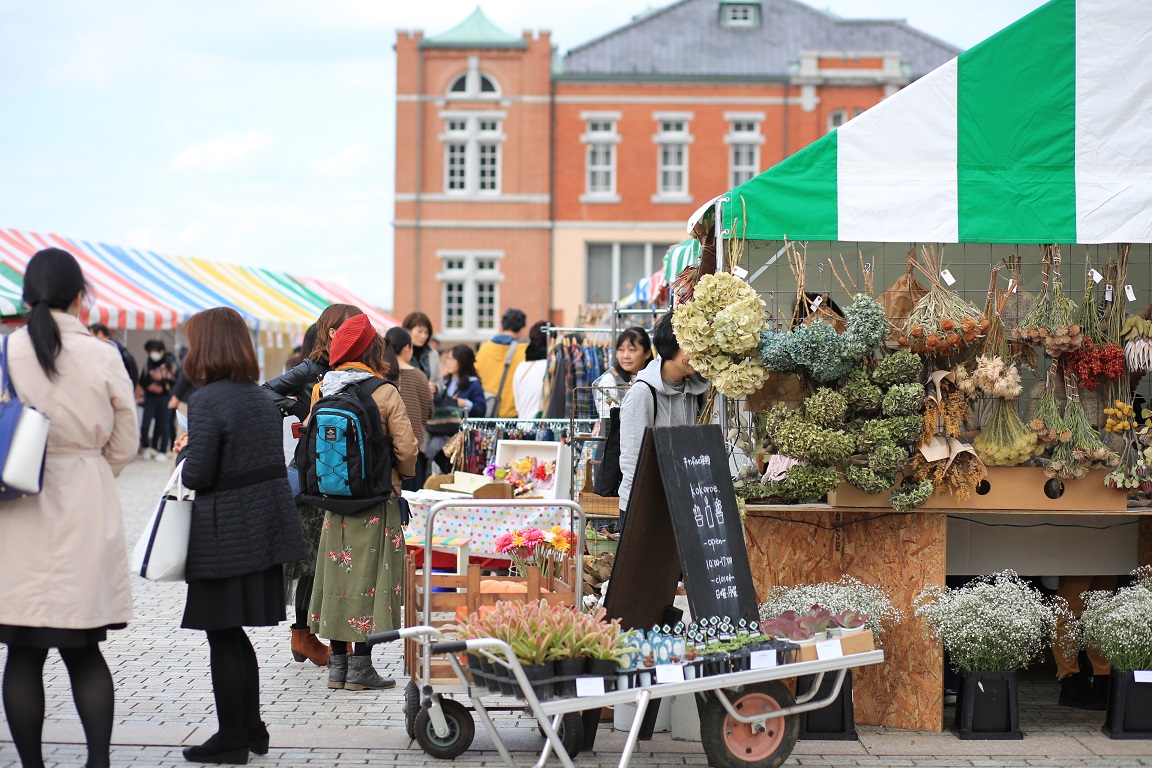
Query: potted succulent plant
[[848, 623]]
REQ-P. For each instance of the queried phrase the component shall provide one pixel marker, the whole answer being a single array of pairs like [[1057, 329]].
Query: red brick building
[[546, 183]]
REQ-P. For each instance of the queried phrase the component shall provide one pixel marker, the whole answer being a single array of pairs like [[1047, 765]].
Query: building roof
[[687, 39], [476, 31]]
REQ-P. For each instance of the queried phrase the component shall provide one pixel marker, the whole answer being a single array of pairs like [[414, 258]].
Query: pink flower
[[325, 523], [374, 521], [504, 543]]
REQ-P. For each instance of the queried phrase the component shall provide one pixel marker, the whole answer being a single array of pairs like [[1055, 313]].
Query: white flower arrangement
[[720, 331], [847, 594], [994, 623], [1120, 625]]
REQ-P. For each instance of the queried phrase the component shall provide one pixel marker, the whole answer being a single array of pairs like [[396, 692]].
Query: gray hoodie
[[673, 409]]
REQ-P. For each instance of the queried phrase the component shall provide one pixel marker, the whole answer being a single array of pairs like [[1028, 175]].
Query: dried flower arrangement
[[1052, 320], [941, 322]]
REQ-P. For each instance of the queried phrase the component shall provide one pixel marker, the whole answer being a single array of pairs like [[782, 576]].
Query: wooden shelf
[[765, 510]]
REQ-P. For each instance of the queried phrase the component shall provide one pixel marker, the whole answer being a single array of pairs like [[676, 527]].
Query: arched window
[[460, 85], [473, 84]]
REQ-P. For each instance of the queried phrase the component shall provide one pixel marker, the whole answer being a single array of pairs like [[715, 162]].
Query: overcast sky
[[261, 131]]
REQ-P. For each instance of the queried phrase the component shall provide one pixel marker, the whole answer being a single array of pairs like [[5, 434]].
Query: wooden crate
[[598, 506]]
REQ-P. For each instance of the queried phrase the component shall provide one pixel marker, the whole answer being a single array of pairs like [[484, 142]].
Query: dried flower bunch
[[1052, 320], [811, 482], [958, 475], [992, 377], [869, 480], [1119, 624], [946, 414], [720, 328], [863, 396], [1084, 450], [1098, 357], [818, 351], [897, 431], [941, 322], [901, 367], [826, 408], [1137, 335], [1005, 441], [839, 597], [911, 494], [1048, 423], [993, 623]]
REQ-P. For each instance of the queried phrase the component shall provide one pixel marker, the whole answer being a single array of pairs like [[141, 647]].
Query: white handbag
[[162, 551]]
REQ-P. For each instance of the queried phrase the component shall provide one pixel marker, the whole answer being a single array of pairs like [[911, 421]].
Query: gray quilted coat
[[243, 519]]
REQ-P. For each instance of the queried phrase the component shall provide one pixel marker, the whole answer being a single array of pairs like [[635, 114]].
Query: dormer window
[[473, 84], [740, 15]]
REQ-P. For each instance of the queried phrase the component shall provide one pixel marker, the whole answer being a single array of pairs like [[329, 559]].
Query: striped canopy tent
[[1042, 133], [117, 301], [678, 257], [336, 293], [11, 292]]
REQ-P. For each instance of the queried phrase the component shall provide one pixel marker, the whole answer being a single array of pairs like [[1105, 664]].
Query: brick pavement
[[164, 700]]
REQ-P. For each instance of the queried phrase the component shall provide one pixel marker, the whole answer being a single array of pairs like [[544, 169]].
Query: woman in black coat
[[292, 393], [244, 524]]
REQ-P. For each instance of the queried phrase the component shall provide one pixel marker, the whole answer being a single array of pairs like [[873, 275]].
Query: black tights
[[340, 648], [303, 598], [24, 700], [235, 684]]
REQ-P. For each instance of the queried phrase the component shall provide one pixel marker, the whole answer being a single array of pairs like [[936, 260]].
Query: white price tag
[[669, 673], [1012, 285], [1108, 293], [1142, 676], [829, 649], [1096, 276], [816, 303], [739, 271], [589, 686], [1131, 294], [762, 660], [947, 277]]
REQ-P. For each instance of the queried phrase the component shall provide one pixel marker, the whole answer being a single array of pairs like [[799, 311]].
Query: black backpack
[[344, 458]]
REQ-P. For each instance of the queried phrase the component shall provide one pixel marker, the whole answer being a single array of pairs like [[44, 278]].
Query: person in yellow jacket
[[492, 357]]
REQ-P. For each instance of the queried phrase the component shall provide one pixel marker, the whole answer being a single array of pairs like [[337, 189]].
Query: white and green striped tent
[[1041, 133], [678, 257]]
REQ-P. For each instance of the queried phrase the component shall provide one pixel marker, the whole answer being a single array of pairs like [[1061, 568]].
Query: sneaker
[[161, 456], [949, 697], [148, 454]]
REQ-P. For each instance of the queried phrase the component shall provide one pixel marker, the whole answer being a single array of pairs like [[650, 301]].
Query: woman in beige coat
[[63, 561]]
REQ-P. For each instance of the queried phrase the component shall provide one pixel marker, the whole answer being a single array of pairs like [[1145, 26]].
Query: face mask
[[156, 356]]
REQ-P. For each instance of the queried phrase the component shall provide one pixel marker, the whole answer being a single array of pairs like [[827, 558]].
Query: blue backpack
[[344, 458]]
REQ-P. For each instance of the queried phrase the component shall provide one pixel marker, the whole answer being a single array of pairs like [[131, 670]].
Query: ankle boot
[[361, 675], [219, 751], [258, 739], [306, 646], [337, 670]]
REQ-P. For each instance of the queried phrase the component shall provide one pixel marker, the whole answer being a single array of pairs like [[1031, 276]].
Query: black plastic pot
[[605, 668], [739, 660], [1129, 713], [835, 722], [987, 706], [566, 671], [477, 671], [540, 676], [501, 681]]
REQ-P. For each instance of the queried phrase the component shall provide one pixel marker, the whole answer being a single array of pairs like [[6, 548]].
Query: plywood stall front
[[903, 554]]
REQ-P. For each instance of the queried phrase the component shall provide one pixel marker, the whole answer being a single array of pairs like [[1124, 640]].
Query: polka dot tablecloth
[[485, 524]]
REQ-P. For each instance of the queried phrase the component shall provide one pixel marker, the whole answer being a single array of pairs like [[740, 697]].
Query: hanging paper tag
[[1107, 293], [947, 277], [1131, 294], [817, 302], [762, 660], [829, 649], [1142, 675], [1012, 285], [589, 686], [1096, 276], [739, 271], [669, 673]]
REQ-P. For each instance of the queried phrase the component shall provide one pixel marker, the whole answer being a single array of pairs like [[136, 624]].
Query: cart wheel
[[729, 744], [571, 733], [461, 731], [411, 707]]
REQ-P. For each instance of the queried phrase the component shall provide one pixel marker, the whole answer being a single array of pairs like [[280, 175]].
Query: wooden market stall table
[[806, 543]]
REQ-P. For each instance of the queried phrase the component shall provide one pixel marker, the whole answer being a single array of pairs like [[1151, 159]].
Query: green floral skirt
[[359, 574]]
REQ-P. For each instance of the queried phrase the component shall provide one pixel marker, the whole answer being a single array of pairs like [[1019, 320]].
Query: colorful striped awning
[[11, 292], [338, 294], [1040, 134], [118, 302]]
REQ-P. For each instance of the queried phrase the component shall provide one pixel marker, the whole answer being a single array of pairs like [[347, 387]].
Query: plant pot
[[845, 631], [605, 668], [567, 670], [624, 680], [835, 722], [477, 671], [1129, 713], [714, 664], [739, 660], [540, 676], [502, 681], [987, 706]]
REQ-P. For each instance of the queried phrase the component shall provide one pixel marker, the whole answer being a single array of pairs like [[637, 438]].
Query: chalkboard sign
[[681, 518]]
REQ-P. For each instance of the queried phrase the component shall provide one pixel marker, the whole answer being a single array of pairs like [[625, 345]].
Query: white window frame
[[743, 140], [672, 128], [472, 78], [837, 118], [653, 257], [468, 128], [594, 140], [469, 268], [740, 15]]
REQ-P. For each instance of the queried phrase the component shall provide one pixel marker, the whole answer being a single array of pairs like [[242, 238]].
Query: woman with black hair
[[63, 560], [463, 389], [417, 397], [528, 381], [633, 352]]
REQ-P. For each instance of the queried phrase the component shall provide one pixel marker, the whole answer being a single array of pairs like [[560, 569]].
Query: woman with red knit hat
[[360, 562]]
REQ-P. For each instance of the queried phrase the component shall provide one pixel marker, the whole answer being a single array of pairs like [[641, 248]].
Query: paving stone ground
[[164, 702]]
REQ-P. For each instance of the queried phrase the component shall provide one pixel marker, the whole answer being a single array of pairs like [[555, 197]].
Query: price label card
[[1096, 276], [589, 686], [739, 271], [669, 673], [1142, 675], [1108, 293], [947, 277], [1131, 294], [829, 649], [1012, 285], [817, 302], [763, 659]]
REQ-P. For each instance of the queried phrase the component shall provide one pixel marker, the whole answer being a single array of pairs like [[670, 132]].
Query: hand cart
[[445, 729], [748, 719]]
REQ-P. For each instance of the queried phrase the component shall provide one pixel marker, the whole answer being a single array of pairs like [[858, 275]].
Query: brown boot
[[306, 645]]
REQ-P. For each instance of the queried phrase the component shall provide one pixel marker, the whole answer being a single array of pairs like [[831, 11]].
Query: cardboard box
[[1011, 488], [861, 642], [465, 484], [542, 450]]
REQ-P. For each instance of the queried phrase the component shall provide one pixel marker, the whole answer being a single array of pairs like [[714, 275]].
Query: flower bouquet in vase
[[537, 548]]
